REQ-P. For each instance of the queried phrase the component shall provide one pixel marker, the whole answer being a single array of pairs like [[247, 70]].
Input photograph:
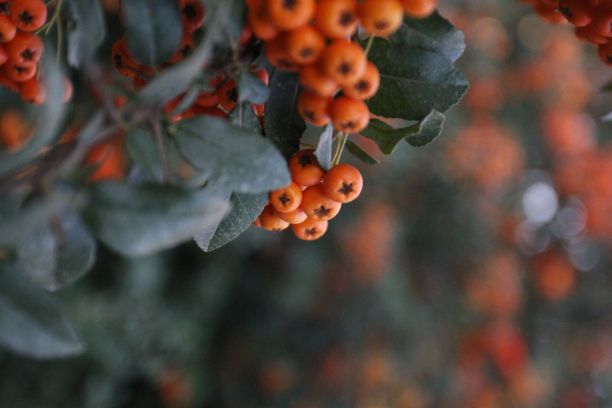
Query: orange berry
[[343, 183], [344, 62], [290, 14], [304, 45], [577, 12], [19, 73], [258, 21], [419, 8], [192, 14], [313, 79], [310, 230], [305, 169], [286, 199], [14, 132], [28, 15], [349, 115], [184, 49], [278, 55], [296, 216], [7, 29], [228, 95], [270, 220], [33, 91], [25, 49], [109, 159], [367, 86], [317, 205], [314, 108], [208, 99], [336, 18], [381, 17]]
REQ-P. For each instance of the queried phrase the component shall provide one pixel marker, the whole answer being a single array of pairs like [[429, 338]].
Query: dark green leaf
[[153, 29], [324, 147], [361, 154], [386, 137], [144, 153], [429, 129], [245, 209], [31, 322], [251, 89], [434, 33], [86, 30], [232, 157], [283, 124], [140, 220]]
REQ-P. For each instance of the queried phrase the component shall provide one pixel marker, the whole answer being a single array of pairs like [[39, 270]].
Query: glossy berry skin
[[305, 169], [258, 21], [419, 8], [310, 230], [19, 73], [314, 108], [344, 62], [28, 15], [296, 216], [336, 19], [367, 86], [314, 80], [381, 17], [26, 49], [319, 206], [343, 183], [270, 220], [304, 45], [286, 199], [277, 54], [290, 14], [349, 115], [8, 30], [33, 91]]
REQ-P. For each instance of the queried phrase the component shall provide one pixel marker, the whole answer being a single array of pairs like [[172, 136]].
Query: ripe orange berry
[[19, 73], [304, 45], [349, 115], [14, 132], [577, 12], [263, 75], [184, 49], [270, 220], [381, 17], [310, 230], [305, 169], [7, 82], [602, 20], [228, 95], [208, 99], [286, 199], [7, 29], [419, 8], [317, 205], [336, 18], [367, 86], [258, 20], [605, 53], [28, 15], [290, 14], [344, 61], [25, 49], [313, 79], [109, 159], [3, 55], [33, 91], [122, 61], [192, 14], [296, 216], [314, 108], [343, 183], [278, 55]]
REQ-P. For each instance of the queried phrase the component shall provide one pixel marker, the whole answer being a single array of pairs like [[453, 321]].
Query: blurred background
[[475, 272]]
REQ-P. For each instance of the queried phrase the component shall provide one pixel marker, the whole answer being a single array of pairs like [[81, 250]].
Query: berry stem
[[369, 45], [55, 17], [342, 138]]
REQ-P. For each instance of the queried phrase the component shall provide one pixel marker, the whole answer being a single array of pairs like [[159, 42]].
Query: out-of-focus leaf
[[385, 136], [251, 89], [234, 158], [144, 153], [31, 322], [434, 33], [244, 117], [359, 153], [283, 125], [139, 220], [86, 30], [324, 147], [429, 129], [153, 29]]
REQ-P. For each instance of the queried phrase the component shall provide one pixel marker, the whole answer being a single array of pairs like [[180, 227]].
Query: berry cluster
[[312, 199], [592, 19], [314, 38], [21, 49]]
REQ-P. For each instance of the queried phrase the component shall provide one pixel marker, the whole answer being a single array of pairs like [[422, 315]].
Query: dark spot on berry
[[305, 159], [306, 52], [311, 231], [4, 8], [284, 199], [284, 63], [28, 54], [185, 51], [20, 70], [118, 60], [362, 86], [310, 115], [346, 189], [232, 94], [567, 12], [346, 18], [345, 68], [190, 11], [381, 25], [348, 125], [322, 211], [26, 18], [289, 4]]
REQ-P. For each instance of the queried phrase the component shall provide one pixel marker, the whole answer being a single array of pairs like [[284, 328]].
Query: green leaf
[[86, 30], [140, 220], [251, 89], [232, 157], [244, 117], [417, 72], [31, 322], [429, 129], [385, 136], [144, 153], [153, 29], [245, 209], [359, 153], [323, 152], [283, 124], [221, 19]]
